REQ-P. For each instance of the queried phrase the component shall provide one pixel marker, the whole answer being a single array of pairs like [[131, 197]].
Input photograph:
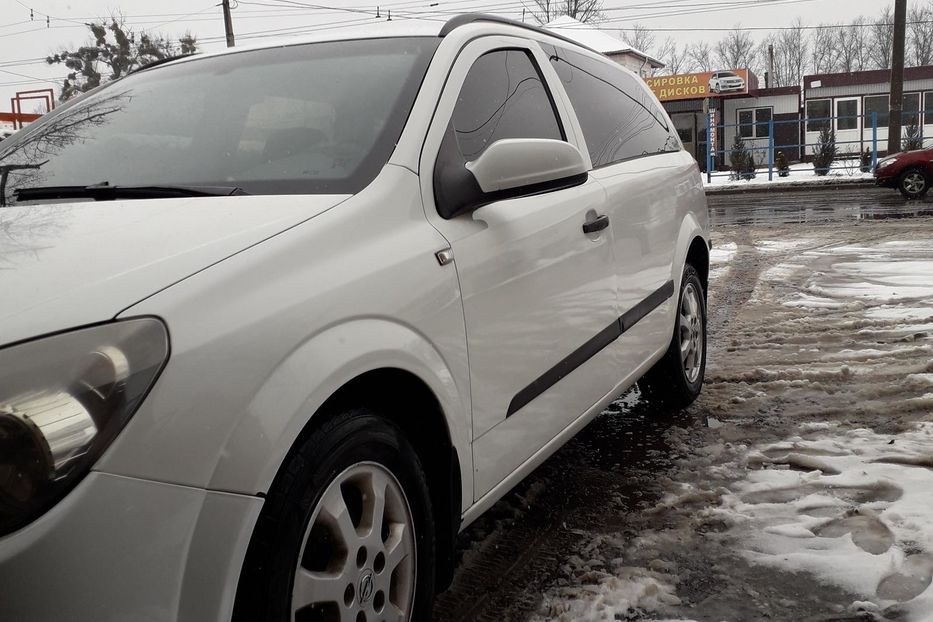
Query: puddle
[[812, 206]]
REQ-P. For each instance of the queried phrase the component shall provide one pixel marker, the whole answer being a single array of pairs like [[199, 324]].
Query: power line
[[768, 28], [22, 75]]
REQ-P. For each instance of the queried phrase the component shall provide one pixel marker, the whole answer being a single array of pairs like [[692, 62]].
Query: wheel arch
[[698, 257], [693, 247], [376, 363], [396, 394]]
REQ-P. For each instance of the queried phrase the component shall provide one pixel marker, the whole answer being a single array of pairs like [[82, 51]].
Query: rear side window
[[503, 96], [620, 118]]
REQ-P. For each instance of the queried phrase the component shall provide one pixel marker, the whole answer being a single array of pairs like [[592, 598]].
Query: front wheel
[[914, 184], [346, 533], [675, 381]]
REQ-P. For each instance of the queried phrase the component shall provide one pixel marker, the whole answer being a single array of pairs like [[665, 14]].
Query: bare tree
[[676, 59], [735, 50], [791, 47], [823, 53], [920, 35], [641, 38], [115, 51], [881, 35], [581, 10], [852, 45], [700, 56]]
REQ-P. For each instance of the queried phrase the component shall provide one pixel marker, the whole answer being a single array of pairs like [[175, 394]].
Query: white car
[[280, 321], [726, 82]]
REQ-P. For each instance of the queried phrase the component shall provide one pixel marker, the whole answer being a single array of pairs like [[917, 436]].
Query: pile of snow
[[719, 257], [593, 590], [851, 507]]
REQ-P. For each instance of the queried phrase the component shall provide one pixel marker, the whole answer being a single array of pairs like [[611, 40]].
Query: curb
[[838, 184]]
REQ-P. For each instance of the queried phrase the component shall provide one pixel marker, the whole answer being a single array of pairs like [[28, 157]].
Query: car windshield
[[315, 118]]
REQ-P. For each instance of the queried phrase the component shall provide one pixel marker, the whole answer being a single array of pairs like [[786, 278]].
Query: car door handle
[[599, 224]]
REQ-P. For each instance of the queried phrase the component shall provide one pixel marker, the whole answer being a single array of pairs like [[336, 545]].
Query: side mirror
[[517, 164]]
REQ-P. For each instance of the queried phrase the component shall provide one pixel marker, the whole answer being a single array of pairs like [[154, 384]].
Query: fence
[[796, 138]]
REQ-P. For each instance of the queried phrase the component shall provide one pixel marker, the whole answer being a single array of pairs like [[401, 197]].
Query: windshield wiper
[[105, 192]]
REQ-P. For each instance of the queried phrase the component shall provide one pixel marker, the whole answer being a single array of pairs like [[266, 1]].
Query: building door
[[848, 124], [686, 125]]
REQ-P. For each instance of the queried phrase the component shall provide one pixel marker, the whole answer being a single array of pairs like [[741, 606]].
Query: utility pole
[[228, 23], [897, 76], [770, 65]]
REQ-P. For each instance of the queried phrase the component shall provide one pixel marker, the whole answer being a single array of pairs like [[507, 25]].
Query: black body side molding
[[589, 349]]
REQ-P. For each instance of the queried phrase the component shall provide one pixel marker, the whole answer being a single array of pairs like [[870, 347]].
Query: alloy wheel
[[914, 183], [358, 554], [691, 333]]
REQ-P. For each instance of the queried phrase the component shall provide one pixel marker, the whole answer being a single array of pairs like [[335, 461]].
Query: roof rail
[[470, 18]]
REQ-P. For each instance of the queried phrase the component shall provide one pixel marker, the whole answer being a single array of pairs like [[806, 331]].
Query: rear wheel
[[675, 381], [346, 534], [914, 184]]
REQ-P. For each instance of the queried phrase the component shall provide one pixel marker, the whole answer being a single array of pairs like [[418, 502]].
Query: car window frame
[[456, 73], [638, 81], [547, 90]]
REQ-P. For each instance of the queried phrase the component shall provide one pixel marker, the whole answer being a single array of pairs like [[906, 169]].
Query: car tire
[[676, 380], [316, 552], [914, 183]]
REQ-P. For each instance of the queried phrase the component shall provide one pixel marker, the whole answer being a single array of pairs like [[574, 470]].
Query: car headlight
[[885, 163], [63, 399]]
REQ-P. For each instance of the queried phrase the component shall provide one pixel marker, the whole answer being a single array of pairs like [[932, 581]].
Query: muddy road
[[821, 338]]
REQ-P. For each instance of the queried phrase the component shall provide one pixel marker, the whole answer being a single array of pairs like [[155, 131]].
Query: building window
[[818, 113], [846, 114], [753, 122], [685, 134], [746, 123], [911, 109], [879, 103], [928, 108]]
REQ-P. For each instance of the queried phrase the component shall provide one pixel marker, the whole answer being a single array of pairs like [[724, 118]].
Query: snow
[[875, 537], [719, 258], [606, 594], [801, 173]]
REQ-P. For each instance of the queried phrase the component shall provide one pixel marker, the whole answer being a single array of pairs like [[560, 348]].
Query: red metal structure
[[19, 118]]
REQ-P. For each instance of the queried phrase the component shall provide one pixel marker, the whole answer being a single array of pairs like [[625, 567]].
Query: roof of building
[[778, 90], [596, 39], [873, 76]]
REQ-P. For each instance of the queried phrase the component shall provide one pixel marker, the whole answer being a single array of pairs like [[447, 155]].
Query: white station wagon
[[278, 322]]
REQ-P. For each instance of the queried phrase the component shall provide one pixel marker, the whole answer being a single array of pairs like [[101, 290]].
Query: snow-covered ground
[[801, 173]]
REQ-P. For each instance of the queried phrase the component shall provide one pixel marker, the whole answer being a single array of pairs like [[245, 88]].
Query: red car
[[911, 172]]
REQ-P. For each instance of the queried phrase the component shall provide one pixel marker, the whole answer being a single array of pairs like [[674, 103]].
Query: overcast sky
[[24, 43]]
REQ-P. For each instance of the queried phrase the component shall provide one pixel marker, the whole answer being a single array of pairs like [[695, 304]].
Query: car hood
[[70, 264]]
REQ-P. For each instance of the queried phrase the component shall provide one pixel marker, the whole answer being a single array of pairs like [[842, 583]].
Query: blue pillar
[[770, 149], [874, 140], [709, 150]]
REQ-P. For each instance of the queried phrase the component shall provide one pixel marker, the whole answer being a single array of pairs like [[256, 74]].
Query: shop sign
[[697, 85]]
